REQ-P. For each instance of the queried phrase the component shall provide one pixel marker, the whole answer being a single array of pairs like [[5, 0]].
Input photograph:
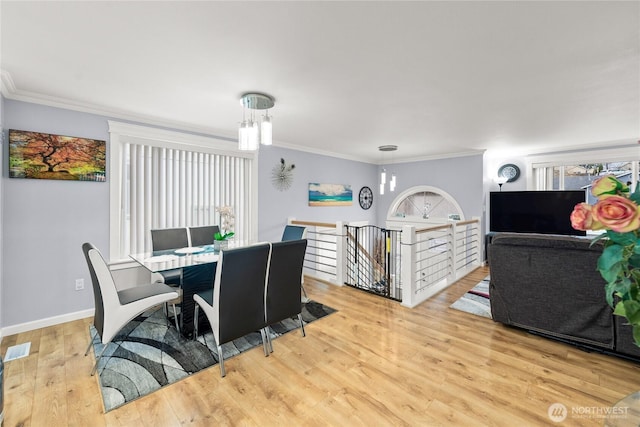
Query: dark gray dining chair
[[235, 304], [195, 278], [163, 239], [296, 232], [114, 308], [283, 296], [203, 235]]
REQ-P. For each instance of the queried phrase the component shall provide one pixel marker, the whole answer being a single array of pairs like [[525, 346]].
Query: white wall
[[2, 157]]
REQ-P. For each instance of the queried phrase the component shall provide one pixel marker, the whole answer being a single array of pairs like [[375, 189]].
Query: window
[[164, 179], [578, 170]]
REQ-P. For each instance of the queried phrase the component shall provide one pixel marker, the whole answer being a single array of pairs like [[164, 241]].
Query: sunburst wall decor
[[282, 175]]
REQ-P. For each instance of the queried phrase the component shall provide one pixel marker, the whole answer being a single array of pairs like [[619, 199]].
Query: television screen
[[544, 212]]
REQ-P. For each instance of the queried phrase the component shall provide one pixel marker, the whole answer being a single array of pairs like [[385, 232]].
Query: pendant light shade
[[266, 130], [251, 134], [383, 174]]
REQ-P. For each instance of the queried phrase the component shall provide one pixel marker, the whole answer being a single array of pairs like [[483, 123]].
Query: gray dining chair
[[282, 295], [163, 239], [293, 232], [234, 305], [114, 308], [203, 235]]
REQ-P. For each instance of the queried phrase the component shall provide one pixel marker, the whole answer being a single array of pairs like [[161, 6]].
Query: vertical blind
[[166, 187]]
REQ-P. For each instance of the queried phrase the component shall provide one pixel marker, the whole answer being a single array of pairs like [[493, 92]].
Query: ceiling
[[435, 78]]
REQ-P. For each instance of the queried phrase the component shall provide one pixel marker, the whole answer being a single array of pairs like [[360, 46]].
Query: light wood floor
[[372, 363]]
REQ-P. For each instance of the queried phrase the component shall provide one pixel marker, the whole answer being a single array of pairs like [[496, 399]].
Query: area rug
[[476, 301], [148, 354]]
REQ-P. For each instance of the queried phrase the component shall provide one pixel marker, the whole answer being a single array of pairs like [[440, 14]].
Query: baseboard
[[43, 323]]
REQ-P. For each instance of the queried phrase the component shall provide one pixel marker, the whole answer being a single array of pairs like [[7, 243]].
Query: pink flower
[[608, 184], [616, 213], [582, 218]]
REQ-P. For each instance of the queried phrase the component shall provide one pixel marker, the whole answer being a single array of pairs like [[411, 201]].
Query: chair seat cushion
[[139, 292]]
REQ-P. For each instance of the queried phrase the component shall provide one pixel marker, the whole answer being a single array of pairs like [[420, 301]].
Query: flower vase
[[220, 244]]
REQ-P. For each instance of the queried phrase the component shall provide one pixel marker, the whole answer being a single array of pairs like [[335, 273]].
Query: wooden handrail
[[437, 227], [443, 226], [314, 224], [467, 222]]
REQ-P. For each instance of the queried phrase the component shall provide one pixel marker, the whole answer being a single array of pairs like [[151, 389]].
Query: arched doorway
[[424, 204]]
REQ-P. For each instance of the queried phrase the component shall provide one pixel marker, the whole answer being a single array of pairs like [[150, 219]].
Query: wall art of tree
[[47, 156]]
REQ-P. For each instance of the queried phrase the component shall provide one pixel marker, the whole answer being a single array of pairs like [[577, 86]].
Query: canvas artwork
[[330, 195], [46, 156]]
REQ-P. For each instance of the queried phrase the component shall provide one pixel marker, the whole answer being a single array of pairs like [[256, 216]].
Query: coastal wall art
[[330, 194]]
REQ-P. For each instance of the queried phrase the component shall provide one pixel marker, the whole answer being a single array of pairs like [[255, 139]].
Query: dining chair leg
[[95, 366], [268, 331], [301, 325], [195, 322], [265, 341], [223, 373], [90, 344], [305, 298], [175, 317]]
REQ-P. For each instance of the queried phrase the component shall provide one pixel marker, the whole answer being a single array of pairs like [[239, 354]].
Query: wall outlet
[[79, 284]]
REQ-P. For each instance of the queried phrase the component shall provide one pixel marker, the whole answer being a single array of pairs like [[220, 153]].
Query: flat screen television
[[544, 212]]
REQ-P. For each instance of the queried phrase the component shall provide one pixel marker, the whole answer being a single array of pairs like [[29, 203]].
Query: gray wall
[[44, 222], [461, 177], [276, 206]]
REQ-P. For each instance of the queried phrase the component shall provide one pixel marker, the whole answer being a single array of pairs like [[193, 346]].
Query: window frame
[[621, 152], [124, 133]]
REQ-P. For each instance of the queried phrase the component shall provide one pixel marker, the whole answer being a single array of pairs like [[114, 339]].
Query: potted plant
[[226, 224], [617, 213]]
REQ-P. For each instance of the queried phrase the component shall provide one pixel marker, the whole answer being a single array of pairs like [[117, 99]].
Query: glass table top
[[182, 257]]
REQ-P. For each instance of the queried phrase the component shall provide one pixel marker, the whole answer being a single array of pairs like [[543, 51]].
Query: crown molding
[[9, 91]]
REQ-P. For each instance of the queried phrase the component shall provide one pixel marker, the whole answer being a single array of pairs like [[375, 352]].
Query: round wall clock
[[509, 171], [365, 197]]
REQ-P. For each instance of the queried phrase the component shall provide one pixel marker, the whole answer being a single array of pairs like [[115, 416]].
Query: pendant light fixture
[[250, 136], [383, 174]]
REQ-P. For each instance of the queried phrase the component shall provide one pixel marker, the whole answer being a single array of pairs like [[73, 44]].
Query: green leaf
[[619, 310], [632, 311], [624, 239], [634, 260], [635, 196], [610, 291], [636, 334]]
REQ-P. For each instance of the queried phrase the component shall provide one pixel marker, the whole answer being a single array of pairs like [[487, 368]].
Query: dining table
[[198, 266]]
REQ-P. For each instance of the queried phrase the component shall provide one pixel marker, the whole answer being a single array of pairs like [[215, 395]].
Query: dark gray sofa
[[548, 284]]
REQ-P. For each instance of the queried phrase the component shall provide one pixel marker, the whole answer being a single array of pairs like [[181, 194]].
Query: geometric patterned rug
[[476, 300], [148, 354]]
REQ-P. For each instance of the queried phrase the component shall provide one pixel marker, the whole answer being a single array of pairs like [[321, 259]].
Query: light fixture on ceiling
[[383, 174], [249, 135]]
